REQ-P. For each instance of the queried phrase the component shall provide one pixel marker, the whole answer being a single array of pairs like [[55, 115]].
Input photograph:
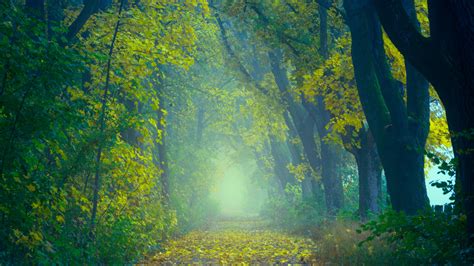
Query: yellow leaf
[[36, 235], [31, 188], [60, 219]]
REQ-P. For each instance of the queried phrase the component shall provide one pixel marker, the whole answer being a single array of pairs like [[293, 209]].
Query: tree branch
[[90, 7], [417, 49], [285, 38], [234, 56]]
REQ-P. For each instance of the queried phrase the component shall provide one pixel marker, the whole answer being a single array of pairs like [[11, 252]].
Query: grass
[[338, 244]]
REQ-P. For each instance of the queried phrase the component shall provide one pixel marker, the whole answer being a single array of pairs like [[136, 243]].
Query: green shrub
[[427, 238]]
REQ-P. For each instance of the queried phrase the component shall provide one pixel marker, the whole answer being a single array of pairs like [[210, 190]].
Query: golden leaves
[[31, 187], [335, 82], [299, 170], [237, 242]]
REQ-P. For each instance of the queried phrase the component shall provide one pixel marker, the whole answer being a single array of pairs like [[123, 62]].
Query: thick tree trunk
[[409, 127], [332, 181], [404, 169], [330, 176], [307, 136], [446, 59], [461, 123], [329, 152], [453, 26], [370, 175], [400, 150]]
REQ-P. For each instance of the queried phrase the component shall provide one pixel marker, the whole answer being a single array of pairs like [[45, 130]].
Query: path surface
[[237, 241]]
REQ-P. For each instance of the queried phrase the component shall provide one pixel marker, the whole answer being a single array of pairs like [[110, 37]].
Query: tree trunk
[[331, 179], [446, 59], [281, 162], [400, 150], [305, 129], [370, 175], [461, 122], [330, 176], [296, 157]]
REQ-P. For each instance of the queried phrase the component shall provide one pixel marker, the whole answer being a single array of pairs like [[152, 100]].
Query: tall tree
[[330, 177], [329, 152], [446, 59], [400, 138], [369, 169]]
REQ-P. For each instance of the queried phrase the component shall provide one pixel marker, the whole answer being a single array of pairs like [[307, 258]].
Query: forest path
[[237, 241]]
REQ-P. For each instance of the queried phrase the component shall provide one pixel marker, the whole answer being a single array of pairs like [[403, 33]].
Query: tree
[[400, 130], [446, 60], [331, 179], [334, 82]]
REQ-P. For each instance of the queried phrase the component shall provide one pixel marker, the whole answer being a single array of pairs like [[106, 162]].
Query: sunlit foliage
[[117, 136]]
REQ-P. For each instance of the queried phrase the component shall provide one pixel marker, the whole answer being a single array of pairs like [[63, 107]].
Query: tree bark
[[330, 157], [370, 175], [400, 149], [446, 59], [90, 8]]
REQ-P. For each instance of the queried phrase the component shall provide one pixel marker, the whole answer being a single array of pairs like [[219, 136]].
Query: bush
[[427, 238]]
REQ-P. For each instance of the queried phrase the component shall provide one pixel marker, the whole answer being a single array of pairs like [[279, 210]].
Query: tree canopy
[[127, 126]]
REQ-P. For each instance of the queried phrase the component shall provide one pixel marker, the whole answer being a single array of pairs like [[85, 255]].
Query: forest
[[217, 132]]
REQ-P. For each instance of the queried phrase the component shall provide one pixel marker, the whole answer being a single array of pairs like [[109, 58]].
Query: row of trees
[[322, 108], [379, 107], [113, 114], [85, 172]]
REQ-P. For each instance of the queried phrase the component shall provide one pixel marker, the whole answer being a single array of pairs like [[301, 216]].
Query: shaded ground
[[237, 241]]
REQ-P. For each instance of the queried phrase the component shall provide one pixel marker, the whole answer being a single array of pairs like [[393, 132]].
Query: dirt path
[[241, 241]]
